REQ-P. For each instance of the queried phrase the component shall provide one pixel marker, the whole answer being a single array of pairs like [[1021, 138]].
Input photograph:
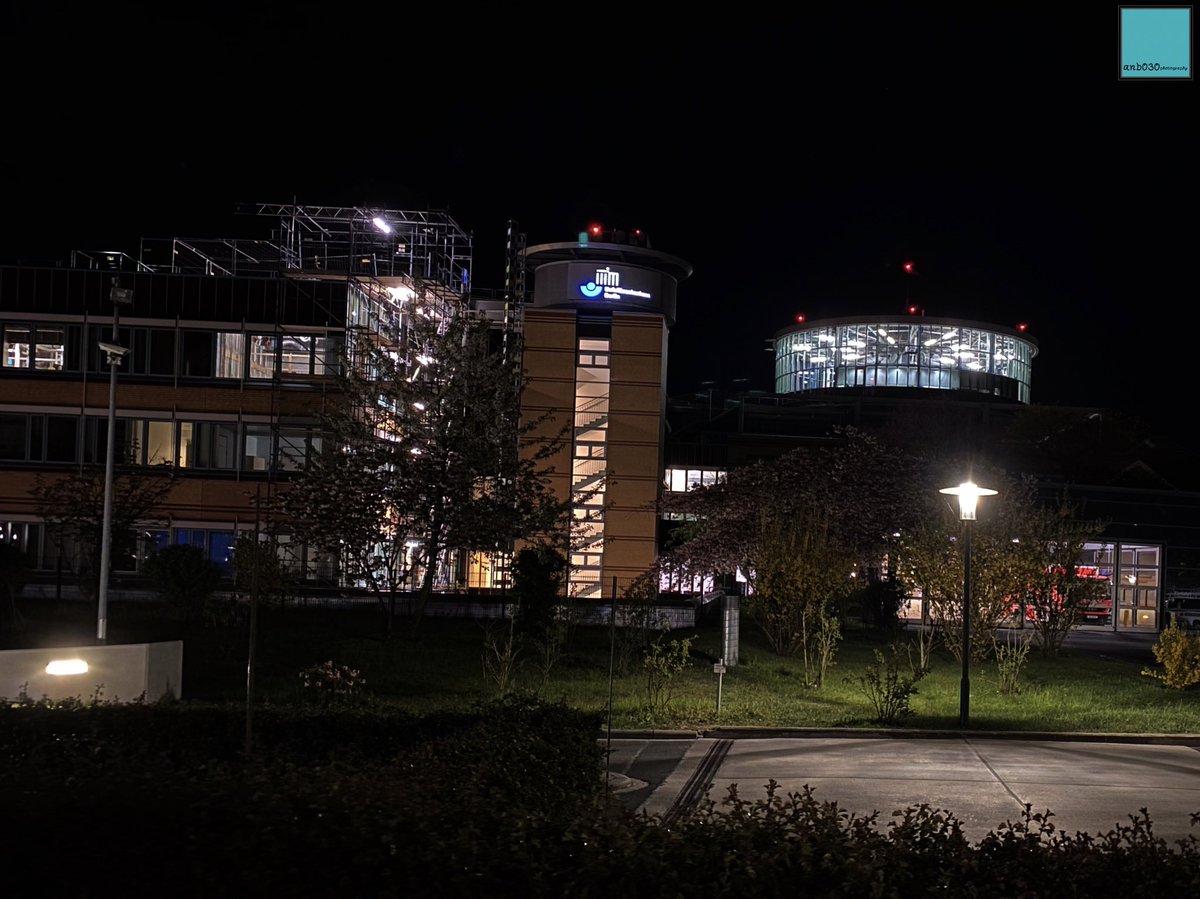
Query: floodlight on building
[[383, 226]]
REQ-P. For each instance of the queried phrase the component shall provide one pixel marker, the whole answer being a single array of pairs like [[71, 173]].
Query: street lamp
[[120, 296], [968, 498]]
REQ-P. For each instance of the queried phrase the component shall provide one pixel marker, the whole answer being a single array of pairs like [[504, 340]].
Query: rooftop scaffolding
[[328, 240]]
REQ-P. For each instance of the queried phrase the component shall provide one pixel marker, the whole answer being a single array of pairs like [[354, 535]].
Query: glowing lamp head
[[381, 224], [968, 495]]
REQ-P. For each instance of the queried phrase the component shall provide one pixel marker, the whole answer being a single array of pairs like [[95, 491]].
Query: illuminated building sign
[[603, 284], [606, 283]]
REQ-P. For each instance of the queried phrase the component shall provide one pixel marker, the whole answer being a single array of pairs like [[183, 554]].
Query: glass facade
[[944, 355], [588, 464]]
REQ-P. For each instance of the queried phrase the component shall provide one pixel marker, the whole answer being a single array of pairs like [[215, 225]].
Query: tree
[[1052, 541], [1024, 553], [257, 567], [422, 455], [73, 509], [185, 578], [864, 489], [14, 574], [933, 556], [800, 569]]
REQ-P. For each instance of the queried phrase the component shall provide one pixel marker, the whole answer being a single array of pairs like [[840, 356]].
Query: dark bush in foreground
[[503, 801]]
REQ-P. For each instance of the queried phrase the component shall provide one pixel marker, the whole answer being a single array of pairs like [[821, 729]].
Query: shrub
[[1178, 652], [663, 660], [333, 684], [1010, 661], [185, 579], [887, 688]]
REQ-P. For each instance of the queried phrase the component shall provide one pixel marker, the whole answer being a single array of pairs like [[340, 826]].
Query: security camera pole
[[120, 296]]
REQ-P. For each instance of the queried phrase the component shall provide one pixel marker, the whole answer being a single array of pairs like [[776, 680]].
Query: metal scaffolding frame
[[328, 240]]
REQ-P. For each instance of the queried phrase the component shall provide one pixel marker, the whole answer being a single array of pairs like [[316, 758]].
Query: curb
[[764, 733]]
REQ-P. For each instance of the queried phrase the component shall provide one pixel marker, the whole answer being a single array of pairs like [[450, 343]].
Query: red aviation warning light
[[800, 318], [595, 231], [913, 310], [908, 268], [1022, 327]]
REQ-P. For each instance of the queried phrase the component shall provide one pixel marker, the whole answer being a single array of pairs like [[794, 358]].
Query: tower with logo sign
[[595, 355]]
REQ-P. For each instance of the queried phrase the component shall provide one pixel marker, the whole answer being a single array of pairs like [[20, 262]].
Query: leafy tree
[[185, 578], [256, 566], [865, 489], [538, 573], [1052, 540], [801, 569], [73, 509], [1023, 554], [423, 454], [933, 556], [14, 574]]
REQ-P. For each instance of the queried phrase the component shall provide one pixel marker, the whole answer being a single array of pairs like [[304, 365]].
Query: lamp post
[[968, 498], [120, 296]]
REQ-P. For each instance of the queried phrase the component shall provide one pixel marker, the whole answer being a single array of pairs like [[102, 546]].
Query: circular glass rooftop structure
[[904, 352]]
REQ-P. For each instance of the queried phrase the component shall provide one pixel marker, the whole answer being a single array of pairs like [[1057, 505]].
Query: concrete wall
[[122, 672]]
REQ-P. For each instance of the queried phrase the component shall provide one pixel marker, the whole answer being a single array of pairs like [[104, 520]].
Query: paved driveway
[[1089, 786]]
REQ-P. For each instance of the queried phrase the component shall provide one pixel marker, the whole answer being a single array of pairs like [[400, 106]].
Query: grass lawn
[[443, 668]]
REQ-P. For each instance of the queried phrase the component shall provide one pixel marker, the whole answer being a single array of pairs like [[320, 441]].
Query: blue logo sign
[[591, 289]]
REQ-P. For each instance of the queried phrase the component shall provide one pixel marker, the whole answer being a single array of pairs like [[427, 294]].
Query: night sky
[[796, 162]]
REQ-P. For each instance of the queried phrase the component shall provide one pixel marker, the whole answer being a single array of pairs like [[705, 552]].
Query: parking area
[[1089, 786]]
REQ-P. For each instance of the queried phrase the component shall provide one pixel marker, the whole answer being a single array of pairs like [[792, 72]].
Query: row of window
[[455, 569], [168, 352], [222, 446]]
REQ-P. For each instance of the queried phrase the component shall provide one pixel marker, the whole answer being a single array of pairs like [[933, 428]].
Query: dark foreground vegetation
[[505, 799]]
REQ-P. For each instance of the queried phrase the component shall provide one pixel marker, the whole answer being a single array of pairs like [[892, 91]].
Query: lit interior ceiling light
[[850, 357], [401, 294], [931, 341], [420, 407], [424, 360], [825, 338], [857, 344], [819, 358], [947, 360], [67, 666], [383, 226]]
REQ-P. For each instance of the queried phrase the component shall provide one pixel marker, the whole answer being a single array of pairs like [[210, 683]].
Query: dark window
[[37, 428], [216, 445], [162, 352], [14, 429], [62, 438], [138, 358], [196, 359]]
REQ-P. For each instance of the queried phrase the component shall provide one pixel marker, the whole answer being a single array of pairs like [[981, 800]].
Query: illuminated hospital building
[[232, 342]]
